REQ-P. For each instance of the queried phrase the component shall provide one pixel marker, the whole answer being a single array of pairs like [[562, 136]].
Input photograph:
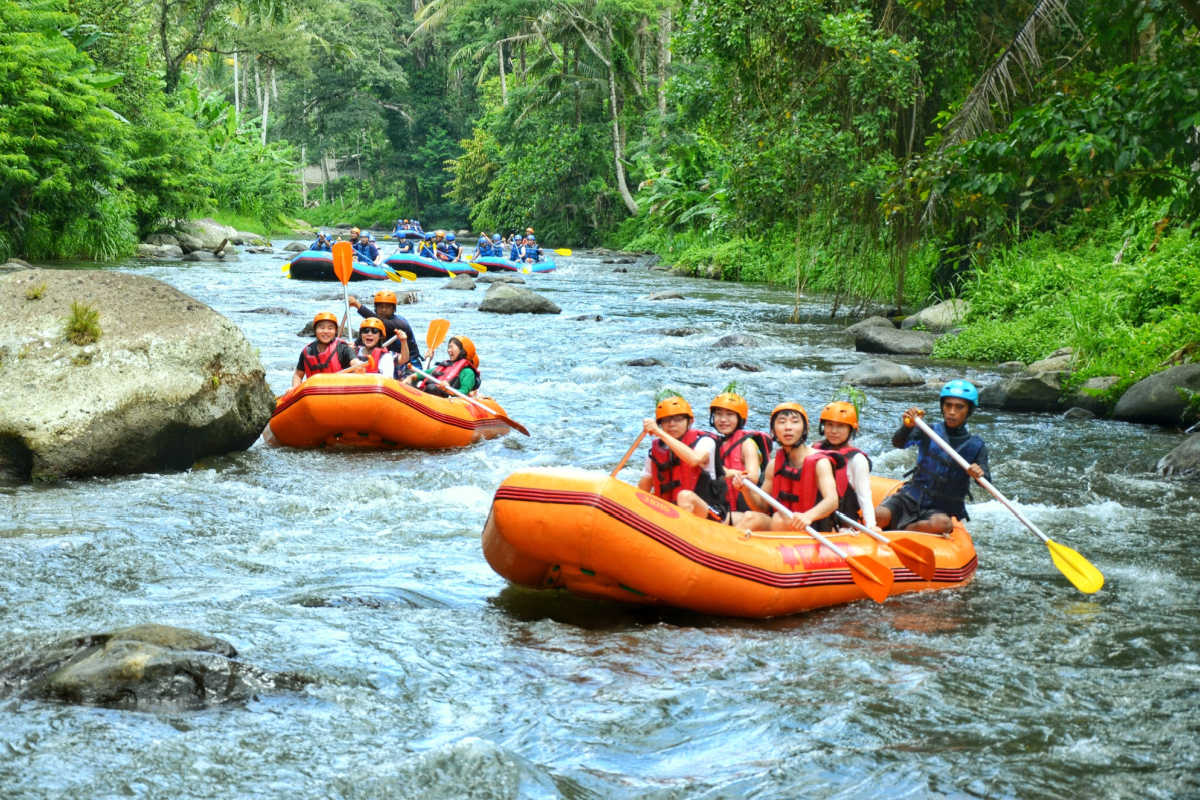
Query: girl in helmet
[[682, 467], [460, 370], [800, 477], [397, 329], [852, 472], [938, 488], [739, 450], [376, 358], [327, 353]]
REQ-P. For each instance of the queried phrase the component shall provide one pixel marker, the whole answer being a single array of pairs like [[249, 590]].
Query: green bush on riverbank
[[1125, 319]]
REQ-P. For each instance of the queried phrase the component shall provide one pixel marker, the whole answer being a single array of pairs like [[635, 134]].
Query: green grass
[[83, 324], [252, 224]]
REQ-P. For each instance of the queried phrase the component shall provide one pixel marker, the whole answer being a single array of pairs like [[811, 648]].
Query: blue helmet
[[531, 238], [449, 237], [495, 237], [964, 390], [429, 236]]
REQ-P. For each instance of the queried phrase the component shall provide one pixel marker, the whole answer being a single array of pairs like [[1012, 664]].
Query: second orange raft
[[598, 536], [354, 410]]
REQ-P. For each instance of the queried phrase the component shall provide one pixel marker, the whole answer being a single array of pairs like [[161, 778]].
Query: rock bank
[[167, 382]]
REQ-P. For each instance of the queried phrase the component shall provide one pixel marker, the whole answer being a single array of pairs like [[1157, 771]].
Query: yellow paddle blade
[[480, 267], [408, 276], [563, 251], [526, 269], [1078, 569], [286, 269], [436, 333]]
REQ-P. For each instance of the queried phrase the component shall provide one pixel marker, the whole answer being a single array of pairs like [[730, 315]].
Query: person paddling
[[938, 488], [682, 467], [852, 473], [800, 477], [377, 359], [739, 450], [460, 369], [405, 342], [326, 354]]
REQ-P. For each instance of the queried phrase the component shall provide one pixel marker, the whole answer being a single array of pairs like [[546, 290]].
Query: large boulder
[[499, 277], [505, 298], [144, 668], [1158, 398], [878, 339], [1040, 391], [941, 317], [145, 250], [1183, 460], [880, 372], [167, 381], [204, 234], [460, 282], [1088, 395], [869, 322]]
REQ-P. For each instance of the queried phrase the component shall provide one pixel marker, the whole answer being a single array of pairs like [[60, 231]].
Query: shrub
[[83, 324]]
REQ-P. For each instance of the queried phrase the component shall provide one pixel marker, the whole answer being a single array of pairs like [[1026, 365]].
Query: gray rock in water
[[1058, 361], [260, 249], [940, 317], [229, 254], [1085, 396], [200, 255], [878, 339], [620, 269], [869, 322], [1025, 392], [144, 668], [162, 238], [295, 247], [500, 277], [145, 250], [644, 362], [504, 298], [1183, 460], [271, 310], [685, 331], [1077, 413], [736, 340], [1157, 399], [206, 233], [742, 365], [588, 318], [880, 372], [665, 296], [462, 283], [168, 381]]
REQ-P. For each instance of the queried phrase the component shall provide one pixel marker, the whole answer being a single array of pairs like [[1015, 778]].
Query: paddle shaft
[[984, 482], [515, 425], [787, 512], [629, 453], [858, 526]]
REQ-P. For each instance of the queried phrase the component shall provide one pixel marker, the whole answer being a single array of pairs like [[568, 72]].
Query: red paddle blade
[[512, 423], [343, 261], [871, 576], [917, 557]]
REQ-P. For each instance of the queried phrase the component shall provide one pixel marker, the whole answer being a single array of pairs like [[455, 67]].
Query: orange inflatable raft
[[597, 536], [350, 410]]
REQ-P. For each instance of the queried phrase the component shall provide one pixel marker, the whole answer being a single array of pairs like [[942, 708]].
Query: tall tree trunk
[[266, 105], [503, 77], [664, 59], [237, 100], [618, 155]]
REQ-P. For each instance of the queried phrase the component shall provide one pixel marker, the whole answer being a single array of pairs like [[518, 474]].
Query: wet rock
[[1157, 399], [162, 238], [249, 238], [1183, 460], [645, 362], [1078, 414], [1026, 392], [144, 668], [503, 298], [204, 234], [742, 365], [620, 269], [878, 339], [940, 317], [16, 264], [200, 255], [685, 331], [869, 322], [407, 298], [1011, 365], [271, 310], [648, 262], [461, 283], [1090, 394], [229, 254], [159, 251], [1058, 361], [500, 277], [588, 318], [880, 372], [168, 381], [665, 296], [737, 340], [295, 247], [260, 250]]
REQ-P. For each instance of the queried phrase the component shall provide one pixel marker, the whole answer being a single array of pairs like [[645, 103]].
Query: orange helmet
[[325, 316], [840, 411], [799, 409], [673, 406], [372, 323], [355, 231], [468, 348], [384, 296], [731, 402]]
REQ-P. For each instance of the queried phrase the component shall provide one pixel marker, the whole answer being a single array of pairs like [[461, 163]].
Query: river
[[435, 679]]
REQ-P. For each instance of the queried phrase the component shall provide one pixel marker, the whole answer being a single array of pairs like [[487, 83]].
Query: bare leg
[[938, 523], [883, 517], [752, 520], [690, 502]]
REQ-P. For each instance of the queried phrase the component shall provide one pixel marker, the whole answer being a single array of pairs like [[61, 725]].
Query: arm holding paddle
[[511, 423]]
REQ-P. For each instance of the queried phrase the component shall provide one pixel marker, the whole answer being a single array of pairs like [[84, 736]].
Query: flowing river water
[[433, 678]]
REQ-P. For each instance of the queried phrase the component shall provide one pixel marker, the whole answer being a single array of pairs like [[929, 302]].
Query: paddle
[[628, 453], [869, 573], [917, 557], [343, 268], [399, 276], [438, 328], [511, 423], [286, 269], [563, 251], [1075, 567]]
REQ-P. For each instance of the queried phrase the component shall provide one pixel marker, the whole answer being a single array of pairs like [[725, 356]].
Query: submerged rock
[[744, 366], [644, 362], [500, 277], [1183, 460], [461, 282], [144, 668], [878, 339], [503, 298], [167, 381], [881, 372]]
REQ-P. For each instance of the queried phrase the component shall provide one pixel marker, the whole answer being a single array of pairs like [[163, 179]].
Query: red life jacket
[[671, 476], [796, 487], [449, 372], [373, 355], [729, 454], [327, 361], [847, 500]]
